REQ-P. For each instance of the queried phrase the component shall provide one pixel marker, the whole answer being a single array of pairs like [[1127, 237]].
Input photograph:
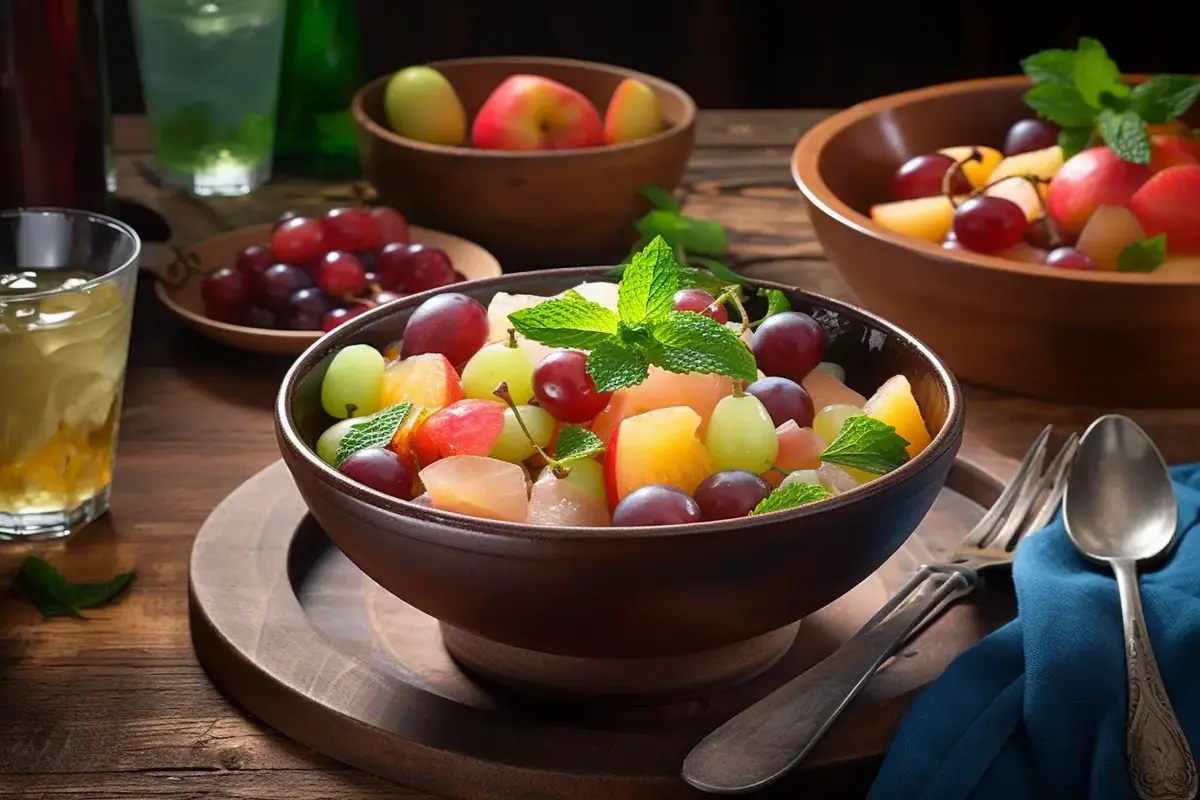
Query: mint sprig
[[791, 495], [55, 596], [376, 430], [575, 443], [866, 443], [645, 331], [1145, 255]]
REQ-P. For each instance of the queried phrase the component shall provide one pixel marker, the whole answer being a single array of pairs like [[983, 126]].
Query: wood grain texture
[[116, 706]]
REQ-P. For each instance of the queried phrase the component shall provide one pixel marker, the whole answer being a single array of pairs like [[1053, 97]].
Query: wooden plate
[[178, 285], [301, 638]]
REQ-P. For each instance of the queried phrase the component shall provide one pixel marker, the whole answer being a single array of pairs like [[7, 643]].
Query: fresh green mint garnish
[[646, 330], [866, 443], [374, 431], [791, 495], [1082, 91], [55, 596], [777, 303], [1146, 255], [575, 443]]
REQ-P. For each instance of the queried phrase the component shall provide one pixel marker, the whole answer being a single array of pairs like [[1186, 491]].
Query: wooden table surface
[[115, 706]]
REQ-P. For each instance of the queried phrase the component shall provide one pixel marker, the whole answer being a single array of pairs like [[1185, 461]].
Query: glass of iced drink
[[67, 281], [210, 77]]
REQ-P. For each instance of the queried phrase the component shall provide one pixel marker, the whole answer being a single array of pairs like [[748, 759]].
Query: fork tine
[[983, 531], [1054, 484], [1031, 488]]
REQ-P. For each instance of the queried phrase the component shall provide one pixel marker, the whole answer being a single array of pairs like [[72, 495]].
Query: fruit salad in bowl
[[582, 464]]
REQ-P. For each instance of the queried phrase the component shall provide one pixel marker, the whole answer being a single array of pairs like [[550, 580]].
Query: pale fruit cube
[[501, 306], [599, 292], [826, 390], [799, 450], [1107, 232], [1178, 267], [977, 172], [427, 381], [835, 479], [558, 501], [1022, 193], [478, 487], [660, 446], [1042, 164], [927, 218], [662, 389], [893, 404]]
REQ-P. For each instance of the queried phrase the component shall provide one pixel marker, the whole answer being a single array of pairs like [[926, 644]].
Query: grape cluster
[[316, 274]]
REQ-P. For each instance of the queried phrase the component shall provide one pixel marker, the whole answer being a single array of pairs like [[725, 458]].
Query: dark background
[[754, 53]]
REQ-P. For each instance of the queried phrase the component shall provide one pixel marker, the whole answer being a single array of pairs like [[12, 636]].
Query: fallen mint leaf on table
[[719, 270], [1125, 132], [792, 495], [661, 198], [374, 431], [690, 342], [575, 443], [566, 322], [1164, 97], [866, 443], [1146, 255], [55, 596]]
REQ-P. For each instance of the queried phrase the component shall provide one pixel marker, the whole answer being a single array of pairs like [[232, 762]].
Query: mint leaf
[[376, 430], [690, 342], [648, 284], [614, 366], [1144, 256], [661, 198], [866, 443], [777, 301], [55, 596], [1061, 104], [575, 443], [1125, 133], [703, 237], [1095, 74], [566, 322], [1050, 66], [1075, 140], [1165, 97], [571, 294], [719, 270], [792, 495]]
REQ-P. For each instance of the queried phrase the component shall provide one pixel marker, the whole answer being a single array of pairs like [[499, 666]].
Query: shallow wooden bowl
[[634, 609], [532, 209], [1092, 338], [178, 287]]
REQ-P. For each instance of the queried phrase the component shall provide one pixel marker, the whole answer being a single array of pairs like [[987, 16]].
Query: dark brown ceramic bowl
[[626, 610], [532, 209], [1092, 338]]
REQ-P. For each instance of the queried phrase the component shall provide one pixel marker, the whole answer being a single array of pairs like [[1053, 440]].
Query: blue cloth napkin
[[1037, 709]]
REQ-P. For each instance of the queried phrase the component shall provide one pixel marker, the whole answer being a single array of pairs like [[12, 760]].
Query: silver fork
[[768, 739]]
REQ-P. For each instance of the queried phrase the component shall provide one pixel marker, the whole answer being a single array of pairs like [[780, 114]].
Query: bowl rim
[[364, 120], [487, 529], [806, 172]]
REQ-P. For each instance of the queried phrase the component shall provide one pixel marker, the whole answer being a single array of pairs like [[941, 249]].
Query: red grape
[[784, 400], [371, 278], [253, 262], [986, 224], [279, 283], [284, 217], [226, 295], [701, 302], [298, 241], [336, 316], [306, 308], [458, 277], [341, 275], [393, 227], [1069, 258], [730, 494], [413, 268], [922, 177], [381, 470], [789, 345], [451, 324], [351, 229], [563, 387], [656, 504], [1030, 134], [259, 317]]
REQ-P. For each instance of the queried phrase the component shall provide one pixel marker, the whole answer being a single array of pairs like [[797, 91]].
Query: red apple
[[1093, 178], [1170, 203], [1172, 151], [529, 112]]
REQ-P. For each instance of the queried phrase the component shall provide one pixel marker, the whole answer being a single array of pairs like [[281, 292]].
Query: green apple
[[421, 104]]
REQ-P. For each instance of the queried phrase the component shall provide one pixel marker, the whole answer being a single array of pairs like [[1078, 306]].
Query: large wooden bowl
[[626, 609], [532, 209], [1093, 338]]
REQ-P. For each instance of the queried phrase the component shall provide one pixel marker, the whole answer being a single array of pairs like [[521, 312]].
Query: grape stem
[[955, 169], [739, 387], [734, 295], [512, 338], [559, 469]]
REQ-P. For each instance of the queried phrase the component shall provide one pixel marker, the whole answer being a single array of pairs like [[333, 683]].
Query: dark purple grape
[[259, 317], [305, 310], [986, 224], [789, 345], [279, 283], [784, 399], [1069, 258], [730, 494], [226, 295], [657, 504], [1030, 134], [381, 470]]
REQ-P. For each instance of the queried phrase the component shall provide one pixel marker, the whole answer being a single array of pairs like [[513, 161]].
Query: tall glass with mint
[[210, 77]]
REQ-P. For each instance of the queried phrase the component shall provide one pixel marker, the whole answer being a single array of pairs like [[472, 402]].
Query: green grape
[[496, 364], [833, 369], [741, 435], [588, 475], [829, 420], [513, 445], [327, 445], [801, 476], [352, 382]]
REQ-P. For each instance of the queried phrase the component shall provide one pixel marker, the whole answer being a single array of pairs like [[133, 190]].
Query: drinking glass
[[210, 76], [67, 282]]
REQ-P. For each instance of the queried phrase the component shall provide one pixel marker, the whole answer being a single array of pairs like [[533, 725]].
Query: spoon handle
[[1161, 766]]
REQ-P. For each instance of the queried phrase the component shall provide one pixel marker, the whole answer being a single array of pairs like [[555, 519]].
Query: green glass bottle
[[321, 70]]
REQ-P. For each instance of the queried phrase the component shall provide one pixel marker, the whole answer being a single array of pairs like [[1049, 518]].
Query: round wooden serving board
[[297, 635]]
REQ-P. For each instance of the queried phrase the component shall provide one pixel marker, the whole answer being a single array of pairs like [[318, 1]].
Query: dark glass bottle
[[322, 69]]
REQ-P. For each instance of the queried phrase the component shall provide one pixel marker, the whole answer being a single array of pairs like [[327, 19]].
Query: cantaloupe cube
[[977, 172], [927, 218], [893, 403]]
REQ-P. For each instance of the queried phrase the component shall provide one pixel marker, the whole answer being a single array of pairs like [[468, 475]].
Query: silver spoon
[[1120, 509]]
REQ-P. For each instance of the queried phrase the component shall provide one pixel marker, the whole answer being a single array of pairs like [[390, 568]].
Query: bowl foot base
[[532, 672]]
